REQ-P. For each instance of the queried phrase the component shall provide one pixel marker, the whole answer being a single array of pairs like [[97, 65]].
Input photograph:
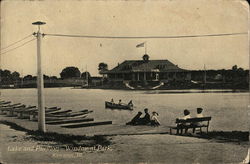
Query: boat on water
[[111, 105]]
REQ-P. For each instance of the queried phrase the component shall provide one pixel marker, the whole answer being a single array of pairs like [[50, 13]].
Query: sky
[[124, 18]]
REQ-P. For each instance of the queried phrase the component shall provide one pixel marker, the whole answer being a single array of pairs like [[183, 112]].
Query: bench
[[191, 123]]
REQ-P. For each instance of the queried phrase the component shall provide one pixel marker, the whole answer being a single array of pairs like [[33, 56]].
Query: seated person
[[186, 114], [154, 119], [183, 125], [120, 102], [146, 119], [130, 103], [198, 115], [112, 101], [135, 120]]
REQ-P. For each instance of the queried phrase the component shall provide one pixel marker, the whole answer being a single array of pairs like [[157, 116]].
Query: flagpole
[[145, 47]]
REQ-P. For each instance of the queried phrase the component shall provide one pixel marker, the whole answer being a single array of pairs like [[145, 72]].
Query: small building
[[147, 70]]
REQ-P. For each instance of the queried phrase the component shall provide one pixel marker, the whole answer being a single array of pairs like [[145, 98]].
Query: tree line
[[8, 77]]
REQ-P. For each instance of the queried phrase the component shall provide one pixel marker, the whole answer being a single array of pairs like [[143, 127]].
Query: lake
[[228, 109]]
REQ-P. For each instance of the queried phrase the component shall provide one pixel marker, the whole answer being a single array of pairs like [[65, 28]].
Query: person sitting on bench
[[183, 125], [198, 115]]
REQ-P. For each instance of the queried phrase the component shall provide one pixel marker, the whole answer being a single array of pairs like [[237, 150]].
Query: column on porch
[[133, 76]]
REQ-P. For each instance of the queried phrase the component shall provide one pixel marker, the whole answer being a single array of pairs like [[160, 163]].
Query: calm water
[[228, 110]]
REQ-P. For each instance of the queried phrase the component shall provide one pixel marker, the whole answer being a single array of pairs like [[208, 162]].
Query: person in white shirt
[[198, 115], [186, 114], [154, 119], [185, 117]]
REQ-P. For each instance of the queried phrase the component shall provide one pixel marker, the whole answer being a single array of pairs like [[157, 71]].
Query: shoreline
[[170, 90]]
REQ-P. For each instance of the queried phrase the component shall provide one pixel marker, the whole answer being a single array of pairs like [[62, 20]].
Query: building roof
[[145, 66]]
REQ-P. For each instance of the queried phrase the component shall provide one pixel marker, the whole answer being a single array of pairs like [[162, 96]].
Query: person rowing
[[130, 103]]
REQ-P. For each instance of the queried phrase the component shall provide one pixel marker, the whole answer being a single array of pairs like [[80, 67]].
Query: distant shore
[[161, 90]]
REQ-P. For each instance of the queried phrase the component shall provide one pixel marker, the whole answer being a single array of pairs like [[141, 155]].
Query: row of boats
[[52, 114]]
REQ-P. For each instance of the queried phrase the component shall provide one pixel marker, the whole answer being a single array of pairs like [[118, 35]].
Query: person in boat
[[112, 101], [146, 119], [130, 103], [135, 120], [154, 119], [120, 102], [183, 125]]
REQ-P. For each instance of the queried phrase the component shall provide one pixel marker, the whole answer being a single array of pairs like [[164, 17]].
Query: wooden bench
[[191, 123]]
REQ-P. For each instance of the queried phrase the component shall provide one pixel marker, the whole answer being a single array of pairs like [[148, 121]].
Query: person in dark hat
[[135, 120], [199, 113], [146, 119]]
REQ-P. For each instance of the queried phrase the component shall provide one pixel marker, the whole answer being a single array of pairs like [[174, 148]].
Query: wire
[[146, 37], [17, 41], [17, 46]]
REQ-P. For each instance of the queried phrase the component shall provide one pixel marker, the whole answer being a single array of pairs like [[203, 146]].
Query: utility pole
[[40, 84]]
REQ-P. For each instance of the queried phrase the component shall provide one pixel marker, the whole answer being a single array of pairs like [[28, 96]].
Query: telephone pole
[[40, 84]]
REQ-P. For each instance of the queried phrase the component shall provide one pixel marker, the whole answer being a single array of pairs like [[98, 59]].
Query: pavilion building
[[147, 70]]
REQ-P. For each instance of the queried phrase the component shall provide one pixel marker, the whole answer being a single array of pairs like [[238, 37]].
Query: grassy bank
[[62, 139]]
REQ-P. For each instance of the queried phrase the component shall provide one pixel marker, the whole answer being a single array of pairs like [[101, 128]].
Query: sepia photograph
[[124, 82]]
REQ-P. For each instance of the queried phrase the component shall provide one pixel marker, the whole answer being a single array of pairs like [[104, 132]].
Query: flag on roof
[[140, 45]]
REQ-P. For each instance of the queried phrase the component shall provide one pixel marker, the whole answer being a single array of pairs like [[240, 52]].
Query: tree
[[6, 73], [15, 75], [53, 78], [234, 68], [70, 72], [46, 77], [28, 77], [102, 67]]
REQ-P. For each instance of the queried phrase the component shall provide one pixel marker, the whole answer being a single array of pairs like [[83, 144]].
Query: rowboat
[[72, 114], [87, 124], [4, 102], [61, 112], [118, 106], [67, 121], [51, 118], [54, 117], [9, 108], [47, 110]]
